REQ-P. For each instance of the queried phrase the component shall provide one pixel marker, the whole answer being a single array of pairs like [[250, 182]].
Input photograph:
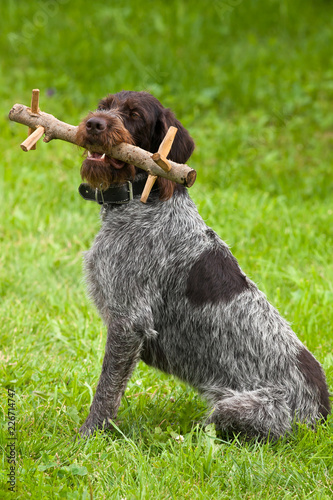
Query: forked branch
[[56, 129]]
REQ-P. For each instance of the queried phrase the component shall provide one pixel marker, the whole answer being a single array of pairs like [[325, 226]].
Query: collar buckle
[[99, 192], [130, 190]]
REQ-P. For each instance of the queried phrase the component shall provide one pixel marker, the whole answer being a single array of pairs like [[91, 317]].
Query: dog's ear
[[183, 144]]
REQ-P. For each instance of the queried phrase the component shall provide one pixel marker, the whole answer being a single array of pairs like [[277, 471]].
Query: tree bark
[[56, 129]]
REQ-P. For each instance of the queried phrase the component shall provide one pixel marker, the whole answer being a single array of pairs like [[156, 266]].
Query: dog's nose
[[96, 125]]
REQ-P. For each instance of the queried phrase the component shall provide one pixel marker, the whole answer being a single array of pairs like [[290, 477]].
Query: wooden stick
[[56, 129], [160, 159], [30, 142], [35, 101], [148, 187], [34, 109], [166, 144]]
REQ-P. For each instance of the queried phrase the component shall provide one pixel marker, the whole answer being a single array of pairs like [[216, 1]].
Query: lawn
[[253, 83]]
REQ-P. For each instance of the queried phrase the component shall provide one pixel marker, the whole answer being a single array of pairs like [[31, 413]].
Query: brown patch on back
[[215, 277]]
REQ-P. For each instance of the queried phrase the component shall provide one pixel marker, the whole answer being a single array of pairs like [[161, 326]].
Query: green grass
[[253, 83]]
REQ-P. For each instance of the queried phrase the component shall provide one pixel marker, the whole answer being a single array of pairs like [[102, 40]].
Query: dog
[[171, 293]]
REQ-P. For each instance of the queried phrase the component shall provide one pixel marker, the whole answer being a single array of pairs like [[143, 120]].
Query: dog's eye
[[134, 114]]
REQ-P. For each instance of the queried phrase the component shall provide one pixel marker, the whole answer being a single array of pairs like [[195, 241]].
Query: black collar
[[114, 195]]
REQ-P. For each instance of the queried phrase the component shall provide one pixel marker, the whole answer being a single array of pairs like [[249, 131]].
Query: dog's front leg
[[122, 352]]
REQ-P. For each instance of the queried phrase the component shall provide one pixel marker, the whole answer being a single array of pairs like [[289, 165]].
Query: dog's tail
[[263, 412]]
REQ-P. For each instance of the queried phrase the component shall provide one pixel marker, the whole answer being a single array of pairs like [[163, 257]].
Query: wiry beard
[[102, 173]]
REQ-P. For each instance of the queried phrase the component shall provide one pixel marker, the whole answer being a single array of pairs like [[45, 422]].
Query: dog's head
[[136, 118]]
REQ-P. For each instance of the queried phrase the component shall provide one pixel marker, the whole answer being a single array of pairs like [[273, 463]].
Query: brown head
[[136, 118]]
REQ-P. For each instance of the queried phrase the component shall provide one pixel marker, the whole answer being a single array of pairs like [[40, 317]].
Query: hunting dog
[[171, 293]]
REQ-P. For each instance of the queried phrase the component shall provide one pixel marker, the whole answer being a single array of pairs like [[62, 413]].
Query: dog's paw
[[91, 426], [86, 431]]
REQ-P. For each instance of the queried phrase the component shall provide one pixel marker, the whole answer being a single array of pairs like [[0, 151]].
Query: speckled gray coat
[[171, 293]]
